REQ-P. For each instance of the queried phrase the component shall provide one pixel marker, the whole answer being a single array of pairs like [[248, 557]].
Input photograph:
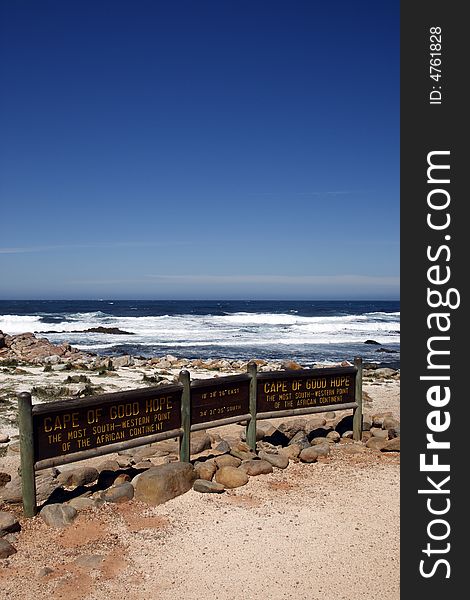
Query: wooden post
[[251, 427], [28, 480], [185, 439], [357, 418]]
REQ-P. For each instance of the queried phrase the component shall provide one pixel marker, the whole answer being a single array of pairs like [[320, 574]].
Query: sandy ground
[[329, 530]]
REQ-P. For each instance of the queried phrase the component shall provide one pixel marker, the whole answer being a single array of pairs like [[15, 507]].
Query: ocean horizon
[[306, 331]]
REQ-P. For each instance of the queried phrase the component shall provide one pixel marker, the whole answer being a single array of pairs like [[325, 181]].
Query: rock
[[101, 329], [222, 447], [372, 342], [242, 451], [376, 443], [122, 361], [208, 487], [322, 449], [333, 436], [366, 424], [205, 470], [392, 445], [4, 438], [292, 451], [281, 461], [77, 477], [231, 477], [144, 464], [162, 483], [348, 435], [378, 419], [58, 515], [4, 478], [122, 478], [45, 485], [390, 423], [379, 433], [320, 440], [227, 460], [366, 435], [393, 432], [6, 549], [200, 440], [300, 439], [309, 455], [8, 523], [13, 449], [123, 492], [384, 373], [291, 365], [256, 467], [84, 502], [292, 427]]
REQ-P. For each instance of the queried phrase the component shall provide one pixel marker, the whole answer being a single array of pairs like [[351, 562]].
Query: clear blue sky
[[199, 149]]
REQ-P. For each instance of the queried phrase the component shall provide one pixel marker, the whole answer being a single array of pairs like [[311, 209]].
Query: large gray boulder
[[164, 482], [58, 515]]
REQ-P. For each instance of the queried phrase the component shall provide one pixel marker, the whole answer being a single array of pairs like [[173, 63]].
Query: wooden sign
[[305, 388], [61, 428], [219, 398]]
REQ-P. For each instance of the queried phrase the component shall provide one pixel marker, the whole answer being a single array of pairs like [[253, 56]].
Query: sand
[[328, 530]]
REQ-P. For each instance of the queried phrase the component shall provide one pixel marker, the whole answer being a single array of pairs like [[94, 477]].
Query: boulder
[[231, 477], [4, 478], [208, 487], [205, 470], [390, 423], [122, 492], [281, 461], [321, 449], [256, 467], [200, 441], [45, 486], [58, 515], [162, 483], [392, 445], [376, 443], [333, 436], [300, 439], [291, 365], [6, 549], [242, 451], [292, 451], [78, 476], [227, 460], [379, 433], [291, 427], [309, 455], [8, 523]]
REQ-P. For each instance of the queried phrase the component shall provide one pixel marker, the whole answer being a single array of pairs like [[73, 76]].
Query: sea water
[[306, 331]]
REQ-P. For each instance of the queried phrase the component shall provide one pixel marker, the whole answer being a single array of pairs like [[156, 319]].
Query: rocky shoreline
[[220, 458]]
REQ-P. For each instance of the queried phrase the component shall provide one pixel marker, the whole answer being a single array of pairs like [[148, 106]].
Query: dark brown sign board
[[281, 390], [68, 426], [219, 398]]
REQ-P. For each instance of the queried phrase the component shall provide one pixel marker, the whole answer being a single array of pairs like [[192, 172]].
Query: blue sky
[[157, 149]]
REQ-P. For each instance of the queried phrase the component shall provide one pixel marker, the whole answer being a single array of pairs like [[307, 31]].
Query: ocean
[[306, 331]]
